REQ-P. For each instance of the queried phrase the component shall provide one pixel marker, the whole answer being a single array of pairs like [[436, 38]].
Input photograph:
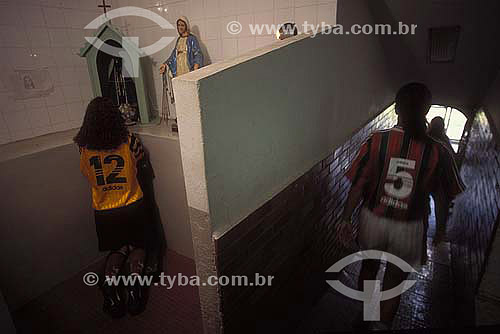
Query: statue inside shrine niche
[[185, 57], [28, 82]]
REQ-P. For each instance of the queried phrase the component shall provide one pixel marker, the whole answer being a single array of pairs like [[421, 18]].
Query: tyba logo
[[371, 294], [130, 60]]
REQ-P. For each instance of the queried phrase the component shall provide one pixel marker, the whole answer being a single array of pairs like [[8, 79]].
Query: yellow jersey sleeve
[[112, 176]]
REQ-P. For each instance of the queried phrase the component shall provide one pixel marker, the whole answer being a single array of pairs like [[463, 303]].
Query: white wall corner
[[191, 142]]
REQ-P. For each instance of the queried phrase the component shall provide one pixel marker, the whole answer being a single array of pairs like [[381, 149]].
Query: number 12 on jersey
[[113, 177]]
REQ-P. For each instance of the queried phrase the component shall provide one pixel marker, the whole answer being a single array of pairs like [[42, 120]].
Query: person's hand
[[163, 68]]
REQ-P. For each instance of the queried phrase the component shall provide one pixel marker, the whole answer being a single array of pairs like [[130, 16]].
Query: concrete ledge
[[21, 148], [34, 145]]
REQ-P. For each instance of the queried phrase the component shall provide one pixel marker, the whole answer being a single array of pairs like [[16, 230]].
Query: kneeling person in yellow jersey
[[108, 158]]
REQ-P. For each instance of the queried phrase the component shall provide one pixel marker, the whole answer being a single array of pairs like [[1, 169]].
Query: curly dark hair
[[103, 127]]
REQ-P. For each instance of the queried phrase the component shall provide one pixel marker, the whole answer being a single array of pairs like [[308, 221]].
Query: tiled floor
[[428, 304], [73, 308]]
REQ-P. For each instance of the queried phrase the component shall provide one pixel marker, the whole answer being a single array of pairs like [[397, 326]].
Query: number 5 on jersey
[[400, 183]]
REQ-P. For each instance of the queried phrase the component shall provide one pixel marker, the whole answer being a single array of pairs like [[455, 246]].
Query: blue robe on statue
[[194, 55]]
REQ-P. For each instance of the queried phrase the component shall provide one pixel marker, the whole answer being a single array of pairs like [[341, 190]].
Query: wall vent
[[443, 42]]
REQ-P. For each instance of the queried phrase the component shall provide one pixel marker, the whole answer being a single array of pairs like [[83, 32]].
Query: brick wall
[[291, 237], [474, 215]]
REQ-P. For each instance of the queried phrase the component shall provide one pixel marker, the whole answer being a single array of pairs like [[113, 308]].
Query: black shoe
[[114, 303], [137, 298]]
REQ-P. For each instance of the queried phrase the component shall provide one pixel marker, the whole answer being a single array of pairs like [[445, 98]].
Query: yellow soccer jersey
[[113, 174]]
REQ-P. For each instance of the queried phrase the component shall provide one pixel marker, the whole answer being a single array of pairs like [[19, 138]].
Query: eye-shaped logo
[[371, 294], [130, 60]]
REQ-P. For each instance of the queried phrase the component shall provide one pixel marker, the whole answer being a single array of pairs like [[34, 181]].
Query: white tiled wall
[[53, 30], [209, 19], [39, 33]]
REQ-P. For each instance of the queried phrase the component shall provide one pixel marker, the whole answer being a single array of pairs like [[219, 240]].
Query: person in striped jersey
[[393, 175], [109, 156]]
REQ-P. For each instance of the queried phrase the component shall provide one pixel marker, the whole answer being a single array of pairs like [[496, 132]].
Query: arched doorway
[[454, 122]]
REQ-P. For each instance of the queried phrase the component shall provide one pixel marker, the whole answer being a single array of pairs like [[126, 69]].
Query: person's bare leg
[[441, 209], [369, 270], [393, 277]]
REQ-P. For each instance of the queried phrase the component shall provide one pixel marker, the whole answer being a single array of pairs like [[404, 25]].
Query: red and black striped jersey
[[397, 173]]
